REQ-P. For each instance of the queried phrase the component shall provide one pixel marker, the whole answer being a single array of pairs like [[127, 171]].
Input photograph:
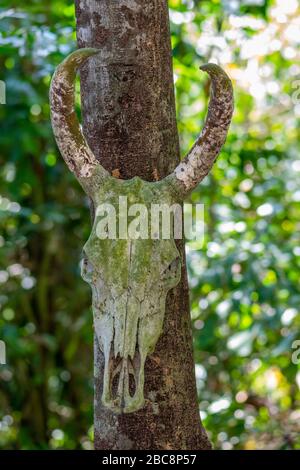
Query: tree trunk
[[130, 124]]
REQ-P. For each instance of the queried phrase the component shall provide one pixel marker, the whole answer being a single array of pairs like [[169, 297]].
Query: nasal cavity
[[125, 370]]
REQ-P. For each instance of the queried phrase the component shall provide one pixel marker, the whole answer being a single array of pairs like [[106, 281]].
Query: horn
[[200, 159], [67, 130]]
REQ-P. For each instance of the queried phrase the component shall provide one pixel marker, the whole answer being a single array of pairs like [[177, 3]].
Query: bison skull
[[130, 277]]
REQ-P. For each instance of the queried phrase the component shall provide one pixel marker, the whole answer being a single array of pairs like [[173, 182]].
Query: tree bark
[[129, 121]]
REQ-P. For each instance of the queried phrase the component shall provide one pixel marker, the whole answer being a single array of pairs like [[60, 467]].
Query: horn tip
[[211, 68], [216, 73], [89, 50], [80, 55]]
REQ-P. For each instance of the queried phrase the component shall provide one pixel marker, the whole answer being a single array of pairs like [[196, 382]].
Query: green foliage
[[244, 279]]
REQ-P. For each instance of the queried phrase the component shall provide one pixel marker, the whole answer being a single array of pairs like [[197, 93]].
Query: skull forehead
[[136, 190], [116, 257], [139, 257]]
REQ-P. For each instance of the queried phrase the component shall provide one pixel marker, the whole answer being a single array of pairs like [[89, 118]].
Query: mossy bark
[[130, 124]]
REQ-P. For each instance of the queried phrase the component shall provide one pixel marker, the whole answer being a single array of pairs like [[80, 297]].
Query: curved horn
[[70, 140], [198, 162]]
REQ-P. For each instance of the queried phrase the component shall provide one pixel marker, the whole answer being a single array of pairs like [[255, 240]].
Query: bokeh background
[[244, 280]]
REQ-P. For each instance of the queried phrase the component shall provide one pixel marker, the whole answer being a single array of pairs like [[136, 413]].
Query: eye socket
[[86, 268], [173, 268]]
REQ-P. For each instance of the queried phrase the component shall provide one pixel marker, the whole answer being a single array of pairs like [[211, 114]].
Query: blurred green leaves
[[245, 279]]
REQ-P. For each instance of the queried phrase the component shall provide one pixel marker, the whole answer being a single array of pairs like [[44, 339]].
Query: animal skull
[[130, 277]]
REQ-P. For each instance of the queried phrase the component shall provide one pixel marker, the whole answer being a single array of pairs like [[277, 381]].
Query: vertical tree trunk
[[129, 120]]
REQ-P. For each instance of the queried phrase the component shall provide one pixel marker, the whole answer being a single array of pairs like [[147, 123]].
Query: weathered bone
[[70, 140], [130, 278], [200, 159]]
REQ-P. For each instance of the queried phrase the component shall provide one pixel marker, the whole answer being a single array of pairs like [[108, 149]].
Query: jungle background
[[244, 280]]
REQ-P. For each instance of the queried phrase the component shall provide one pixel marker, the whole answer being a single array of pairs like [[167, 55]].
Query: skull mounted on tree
[[130, 278]]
